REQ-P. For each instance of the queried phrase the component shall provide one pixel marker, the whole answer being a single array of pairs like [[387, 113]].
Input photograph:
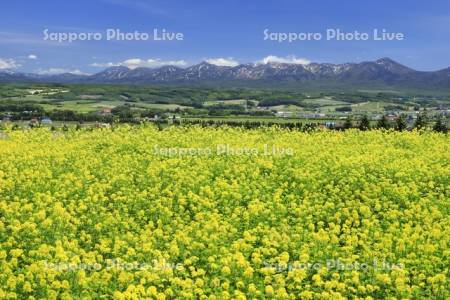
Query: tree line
[[363, 124]]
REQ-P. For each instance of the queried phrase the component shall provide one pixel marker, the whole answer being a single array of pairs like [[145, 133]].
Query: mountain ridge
[[383, 71]]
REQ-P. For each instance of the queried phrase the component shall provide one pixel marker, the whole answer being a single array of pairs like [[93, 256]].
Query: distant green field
[[379, 91], [369, 106], [82, 105], [225, 102], [327, 101], [286, 108], [161, 106], [87, 104], [31, 98], [82, 102], [264, 119], [330, 108]]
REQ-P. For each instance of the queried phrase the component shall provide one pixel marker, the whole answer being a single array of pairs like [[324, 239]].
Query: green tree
[[364, 124], [421, 121], [383, 123], [348, 123], [400, 123], [440, 126]]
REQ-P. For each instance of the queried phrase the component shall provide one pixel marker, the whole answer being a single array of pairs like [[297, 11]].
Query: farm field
[[226, 102], [224, 213], [325, 101], [85, 106], [291, 108], [249, 119], [125, 103]]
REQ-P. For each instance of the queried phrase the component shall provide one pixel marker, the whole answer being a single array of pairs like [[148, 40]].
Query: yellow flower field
[[207, 213]]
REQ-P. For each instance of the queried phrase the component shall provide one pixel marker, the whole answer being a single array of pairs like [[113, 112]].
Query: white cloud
[[104, 65], [56, 71], [32, 56], [223, 62], [285, 60], [134, 63], [8, 64]]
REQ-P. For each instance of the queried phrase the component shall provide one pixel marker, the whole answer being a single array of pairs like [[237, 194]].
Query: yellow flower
[[226, 270], [152, 291], [269, 290], [248, 272], [306, 295], [223, 226], [118, 296], [252, 288], [27, 287]]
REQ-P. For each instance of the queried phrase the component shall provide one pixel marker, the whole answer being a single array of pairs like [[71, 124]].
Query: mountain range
[[383, 72]]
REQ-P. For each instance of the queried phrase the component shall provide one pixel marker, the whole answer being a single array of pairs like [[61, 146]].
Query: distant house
[[154, 119], [391, 117], [102, 125], [34, 122], [106, 111], [47, 121], [321, 115], [284, 114]]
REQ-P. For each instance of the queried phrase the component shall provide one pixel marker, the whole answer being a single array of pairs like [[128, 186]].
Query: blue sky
[[222, 32]]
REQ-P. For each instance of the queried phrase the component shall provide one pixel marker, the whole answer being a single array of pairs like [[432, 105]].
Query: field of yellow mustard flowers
[[229, 213]]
